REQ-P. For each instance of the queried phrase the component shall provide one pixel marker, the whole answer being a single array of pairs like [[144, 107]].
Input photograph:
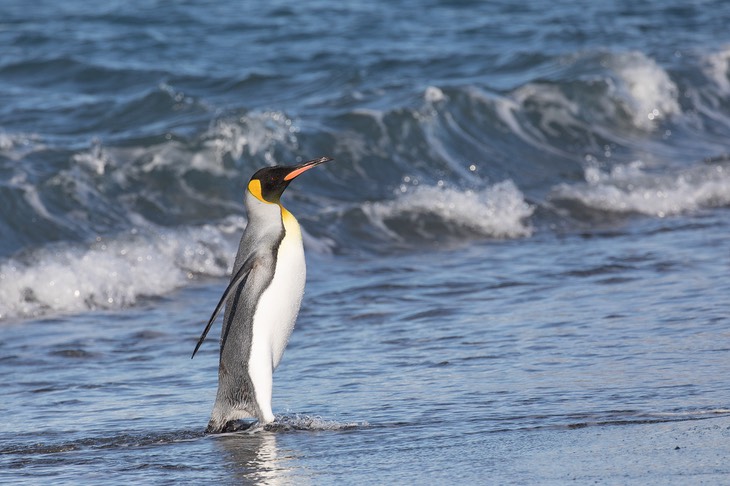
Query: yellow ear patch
[[254, 187]]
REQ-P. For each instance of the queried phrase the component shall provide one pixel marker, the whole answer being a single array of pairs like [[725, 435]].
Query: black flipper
[[238, 279]]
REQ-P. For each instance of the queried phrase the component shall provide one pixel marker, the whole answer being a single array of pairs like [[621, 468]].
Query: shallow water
[[522, 244]]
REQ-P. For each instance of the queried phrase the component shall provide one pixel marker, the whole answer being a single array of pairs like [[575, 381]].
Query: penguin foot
[[230, 426]]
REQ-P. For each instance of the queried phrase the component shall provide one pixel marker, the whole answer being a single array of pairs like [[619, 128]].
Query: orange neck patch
[[254, 187]]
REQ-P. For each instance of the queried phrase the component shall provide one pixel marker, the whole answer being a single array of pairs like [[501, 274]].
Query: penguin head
[[268, 184]]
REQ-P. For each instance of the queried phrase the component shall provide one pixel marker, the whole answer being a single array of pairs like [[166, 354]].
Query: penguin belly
[[275, 315]]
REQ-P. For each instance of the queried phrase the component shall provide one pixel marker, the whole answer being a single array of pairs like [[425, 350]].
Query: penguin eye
[[273, 183], [267, 187]]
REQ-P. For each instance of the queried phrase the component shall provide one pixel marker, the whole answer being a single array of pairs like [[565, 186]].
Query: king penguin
[[262, 300]]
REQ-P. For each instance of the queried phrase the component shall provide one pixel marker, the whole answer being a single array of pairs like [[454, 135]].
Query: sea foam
[[651, 93], [716, 67], [256, 133], [613, 87], [631, 188], [119, 271], [114, 272], [497, 211], [298, 421]]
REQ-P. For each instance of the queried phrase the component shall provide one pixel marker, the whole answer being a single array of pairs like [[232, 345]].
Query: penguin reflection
[[255, 458]]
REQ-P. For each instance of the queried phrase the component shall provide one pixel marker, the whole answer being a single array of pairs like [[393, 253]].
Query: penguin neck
[[263, 216], [286, 216], [270, 216], [291, 225]]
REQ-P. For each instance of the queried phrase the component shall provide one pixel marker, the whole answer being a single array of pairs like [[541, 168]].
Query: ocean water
[[523, 240]]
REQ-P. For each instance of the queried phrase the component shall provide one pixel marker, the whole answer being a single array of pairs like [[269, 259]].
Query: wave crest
[[607, 91], [716, 67], [437, 212], [650, 91], [114, 273], [256, 134], [631, 188]]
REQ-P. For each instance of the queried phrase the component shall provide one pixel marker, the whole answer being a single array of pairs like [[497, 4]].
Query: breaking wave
[[432, 212], [634, 189], [142, 211], [113, 272]]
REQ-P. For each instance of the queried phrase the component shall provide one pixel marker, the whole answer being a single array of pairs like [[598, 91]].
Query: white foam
[[556, 109], [96, 158], [498, 211], [30, 194], [114, 273], [508, 110], [651, 93], [310, 422], [256, 133], [117, 272], [709, 99], [433, 94], [631, 188], [15, 146], [634, 83], [717, 68]]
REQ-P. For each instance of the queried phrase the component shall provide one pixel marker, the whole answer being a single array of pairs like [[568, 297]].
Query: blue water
[[524, 234]]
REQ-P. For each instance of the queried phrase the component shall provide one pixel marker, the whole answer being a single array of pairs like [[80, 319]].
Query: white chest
[[278, 307]]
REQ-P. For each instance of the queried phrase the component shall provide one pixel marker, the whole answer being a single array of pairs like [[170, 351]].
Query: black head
[[269, 183]]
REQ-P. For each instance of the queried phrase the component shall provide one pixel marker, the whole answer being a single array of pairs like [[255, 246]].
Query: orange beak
[[299, 169]]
